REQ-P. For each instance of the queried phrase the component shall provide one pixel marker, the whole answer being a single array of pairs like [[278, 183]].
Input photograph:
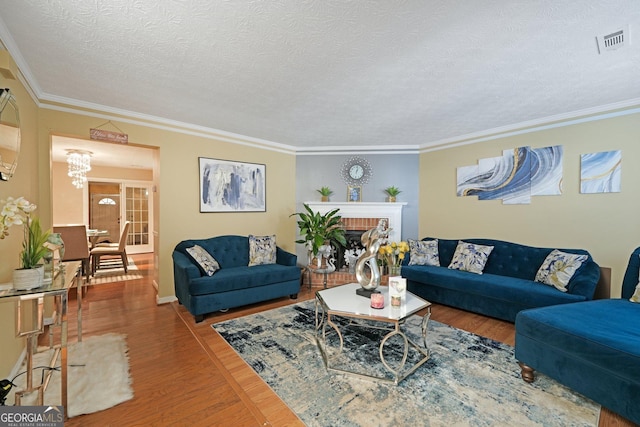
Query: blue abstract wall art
[[600, 172], [514, 177], [227, 186]]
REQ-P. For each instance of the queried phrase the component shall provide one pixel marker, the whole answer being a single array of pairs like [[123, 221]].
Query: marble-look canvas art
[[514, 177], [228, 186], [600, 172]]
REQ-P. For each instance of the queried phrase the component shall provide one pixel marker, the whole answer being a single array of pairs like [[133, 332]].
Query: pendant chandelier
[[79, 162]]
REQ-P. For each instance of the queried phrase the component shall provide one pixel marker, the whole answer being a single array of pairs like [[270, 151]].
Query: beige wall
[[25, 182], [604, 224], [178, 185], [68, 200]]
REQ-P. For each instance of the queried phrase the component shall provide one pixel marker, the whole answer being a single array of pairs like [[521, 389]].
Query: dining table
[[94, 234]]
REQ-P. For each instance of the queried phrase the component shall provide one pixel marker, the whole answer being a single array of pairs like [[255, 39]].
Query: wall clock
[[356, 171]]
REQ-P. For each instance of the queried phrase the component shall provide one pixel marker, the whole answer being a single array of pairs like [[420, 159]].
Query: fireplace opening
[[353, 242]]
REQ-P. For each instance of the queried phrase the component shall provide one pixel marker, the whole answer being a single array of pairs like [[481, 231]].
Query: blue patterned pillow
[[470, 257], [424, 252], [207, 263], [262, 250], [558, 268]]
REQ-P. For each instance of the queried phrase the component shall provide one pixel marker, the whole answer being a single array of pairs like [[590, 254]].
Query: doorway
[[106, 212], [104, 209]]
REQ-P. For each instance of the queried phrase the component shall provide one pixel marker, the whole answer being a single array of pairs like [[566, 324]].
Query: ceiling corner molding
[[25, 76], [356, 149], [623, 108], [74, 106]]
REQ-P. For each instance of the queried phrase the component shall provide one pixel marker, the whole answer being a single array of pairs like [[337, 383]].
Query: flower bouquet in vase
[[392, 255]]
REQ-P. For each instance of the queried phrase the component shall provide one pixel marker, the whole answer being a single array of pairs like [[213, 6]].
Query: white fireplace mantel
[[392, 211]]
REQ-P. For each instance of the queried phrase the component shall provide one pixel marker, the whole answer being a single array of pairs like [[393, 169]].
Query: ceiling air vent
[[614, 40]]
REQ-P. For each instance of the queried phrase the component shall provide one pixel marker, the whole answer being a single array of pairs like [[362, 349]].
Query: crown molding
[[108, 113], [355, 149], [603, 112]]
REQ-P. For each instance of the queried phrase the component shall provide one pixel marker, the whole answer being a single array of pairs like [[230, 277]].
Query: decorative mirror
[[9, 134]]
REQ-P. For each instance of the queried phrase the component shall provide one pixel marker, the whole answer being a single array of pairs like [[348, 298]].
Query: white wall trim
[[165, 300], [568, 119], [393, 211]]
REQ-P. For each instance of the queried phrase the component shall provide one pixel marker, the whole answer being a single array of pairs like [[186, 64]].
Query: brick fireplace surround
[[361, 216]]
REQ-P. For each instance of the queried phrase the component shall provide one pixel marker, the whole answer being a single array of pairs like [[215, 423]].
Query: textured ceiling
[[329, 73]]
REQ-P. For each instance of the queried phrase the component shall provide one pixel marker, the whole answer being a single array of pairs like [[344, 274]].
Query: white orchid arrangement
[[18, 212]]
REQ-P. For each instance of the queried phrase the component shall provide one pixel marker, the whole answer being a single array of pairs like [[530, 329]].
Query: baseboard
[[165, 300]]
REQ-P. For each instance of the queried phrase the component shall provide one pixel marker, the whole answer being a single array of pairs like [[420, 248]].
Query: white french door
[[137, 202]]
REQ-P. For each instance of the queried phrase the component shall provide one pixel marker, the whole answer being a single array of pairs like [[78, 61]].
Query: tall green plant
[[33, 249], [316, 228]]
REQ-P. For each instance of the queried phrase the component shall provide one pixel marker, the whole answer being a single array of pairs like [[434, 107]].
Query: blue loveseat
[[235, 283], [507, 284], [592, 347]]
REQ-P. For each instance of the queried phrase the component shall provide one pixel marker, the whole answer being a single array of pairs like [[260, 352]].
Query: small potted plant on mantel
[[325, 192], [392, 193]]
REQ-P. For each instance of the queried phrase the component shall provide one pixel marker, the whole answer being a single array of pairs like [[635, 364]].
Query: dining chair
[[76, 245], [111, 249]]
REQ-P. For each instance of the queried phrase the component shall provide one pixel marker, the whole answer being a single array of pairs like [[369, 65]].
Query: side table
[[324, 271], [70, 274]]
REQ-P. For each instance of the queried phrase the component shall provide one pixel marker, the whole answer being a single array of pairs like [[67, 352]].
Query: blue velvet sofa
[[507, 284], [592, 347], [235, 283]]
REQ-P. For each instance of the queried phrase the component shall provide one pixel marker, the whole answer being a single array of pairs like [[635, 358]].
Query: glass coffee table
[[340, 308]]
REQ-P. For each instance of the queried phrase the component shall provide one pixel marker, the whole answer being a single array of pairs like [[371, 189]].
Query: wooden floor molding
[[184, 373]]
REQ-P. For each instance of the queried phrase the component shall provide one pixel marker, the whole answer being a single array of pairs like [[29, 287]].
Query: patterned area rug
[[468, 380], [112, 271]]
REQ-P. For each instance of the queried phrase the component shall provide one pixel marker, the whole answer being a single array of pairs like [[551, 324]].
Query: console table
[[33, 299]]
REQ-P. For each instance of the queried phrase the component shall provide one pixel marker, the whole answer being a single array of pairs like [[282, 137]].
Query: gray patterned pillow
[[424, 252], [558, 268], [207, 263], [470, 257], [262, 250]]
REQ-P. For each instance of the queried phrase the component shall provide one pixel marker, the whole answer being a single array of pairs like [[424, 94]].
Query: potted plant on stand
[[392, 193], [319, 230], [325, 192], [18, 212]]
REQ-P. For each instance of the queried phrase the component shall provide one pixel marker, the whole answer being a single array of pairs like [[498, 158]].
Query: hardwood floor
[[185, 374]]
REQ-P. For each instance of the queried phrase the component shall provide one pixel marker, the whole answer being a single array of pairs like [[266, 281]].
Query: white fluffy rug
[[98, 376]]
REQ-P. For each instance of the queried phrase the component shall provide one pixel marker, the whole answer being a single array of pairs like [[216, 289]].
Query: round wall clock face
[[356, 171]]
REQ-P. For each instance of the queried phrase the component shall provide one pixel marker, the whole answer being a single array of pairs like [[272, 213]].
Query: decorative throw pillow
[[424, 252], [558, 268], [470, 257], [636, 295], [207, 263], [262, 250]]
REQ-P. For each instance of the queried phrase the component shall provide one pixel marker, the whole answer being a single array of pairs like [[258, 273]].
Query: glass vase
[[395, 270]]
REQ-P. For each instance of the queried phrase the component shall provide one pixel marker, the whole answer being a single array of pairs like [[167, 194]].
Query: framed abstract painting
[[229, 186]]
